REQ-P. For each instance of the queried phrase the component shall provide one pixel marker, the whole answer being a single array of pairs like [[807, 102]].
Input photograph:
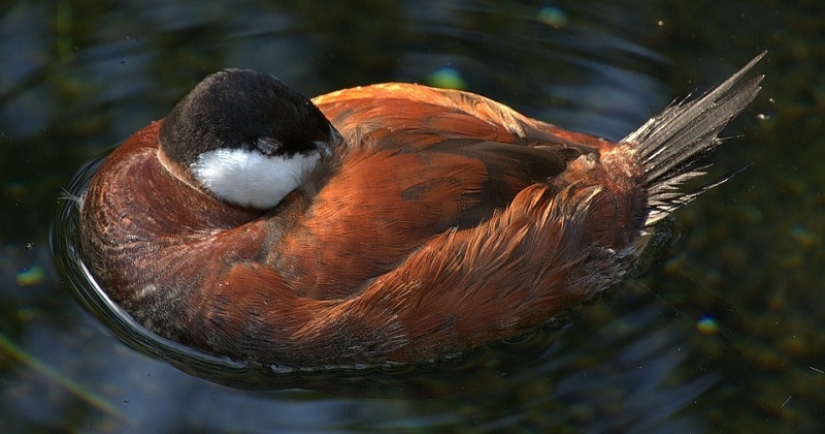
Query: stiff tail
[[673, 145]]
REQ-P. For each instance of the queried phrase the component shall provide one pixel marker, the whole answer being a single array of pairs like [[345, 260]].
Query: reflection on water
[[78, 77]]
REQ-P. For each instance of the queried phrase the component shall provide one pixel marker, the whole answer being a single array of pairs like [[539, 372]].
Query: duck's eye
[[266, 146]]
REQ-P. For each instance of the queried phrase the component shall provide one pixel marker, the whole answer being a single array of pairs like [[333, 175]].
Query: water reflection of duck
[[416, 223]]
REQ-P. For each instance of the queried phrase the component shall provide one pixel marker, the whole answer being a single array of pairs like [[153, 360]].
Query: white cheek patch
[[249, 178]]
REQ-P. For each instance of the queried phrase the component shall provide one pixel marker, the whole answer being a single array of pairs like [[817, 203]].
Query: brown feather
[[442, 222]]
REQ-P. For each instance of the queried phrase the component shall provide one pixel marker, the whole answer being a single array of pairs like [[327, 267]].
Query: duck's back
[[418, 162]]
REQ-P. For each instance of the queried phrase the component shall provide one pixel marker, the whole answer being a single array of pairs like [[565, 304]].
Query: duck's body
[[437, 222]]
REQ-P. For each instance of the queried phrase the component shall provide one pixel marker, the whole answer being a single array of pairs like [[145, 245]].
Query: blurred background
[[725, 333]]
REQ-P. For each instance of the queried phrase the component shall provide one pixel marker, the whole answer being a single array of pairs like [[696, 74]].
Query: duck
[[378, 225]]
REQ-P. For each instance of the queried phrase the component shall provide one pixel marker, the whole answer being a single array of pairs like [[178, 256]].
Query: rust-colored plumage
[[441, 221]]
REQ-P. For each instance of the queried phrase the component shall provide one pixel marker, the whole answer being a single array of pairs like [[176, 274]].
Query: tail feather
[[673, 145]]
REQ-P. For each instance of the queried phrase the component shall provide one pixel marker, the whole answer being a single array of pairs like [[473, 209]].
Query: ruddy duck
[[392, 223]]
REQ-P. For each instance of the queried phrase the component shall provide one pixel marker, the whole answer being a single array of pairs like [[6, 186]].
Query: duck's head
[[245, 138]]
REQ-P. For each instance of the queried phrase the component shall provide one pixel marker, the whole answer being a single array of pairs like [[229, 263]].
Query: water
[[79, 78]]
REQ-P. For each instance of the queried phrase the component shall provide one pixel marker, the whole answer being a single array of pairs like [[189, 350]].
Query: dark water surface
[[79, 77]]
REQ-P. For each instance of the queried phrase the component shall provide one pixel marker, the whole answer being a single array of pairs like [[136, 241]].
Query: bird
[[378, 225]]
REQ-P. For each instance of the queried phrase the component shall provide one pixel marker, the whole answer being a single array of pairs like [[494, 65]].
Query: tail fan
[[673, 145]]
